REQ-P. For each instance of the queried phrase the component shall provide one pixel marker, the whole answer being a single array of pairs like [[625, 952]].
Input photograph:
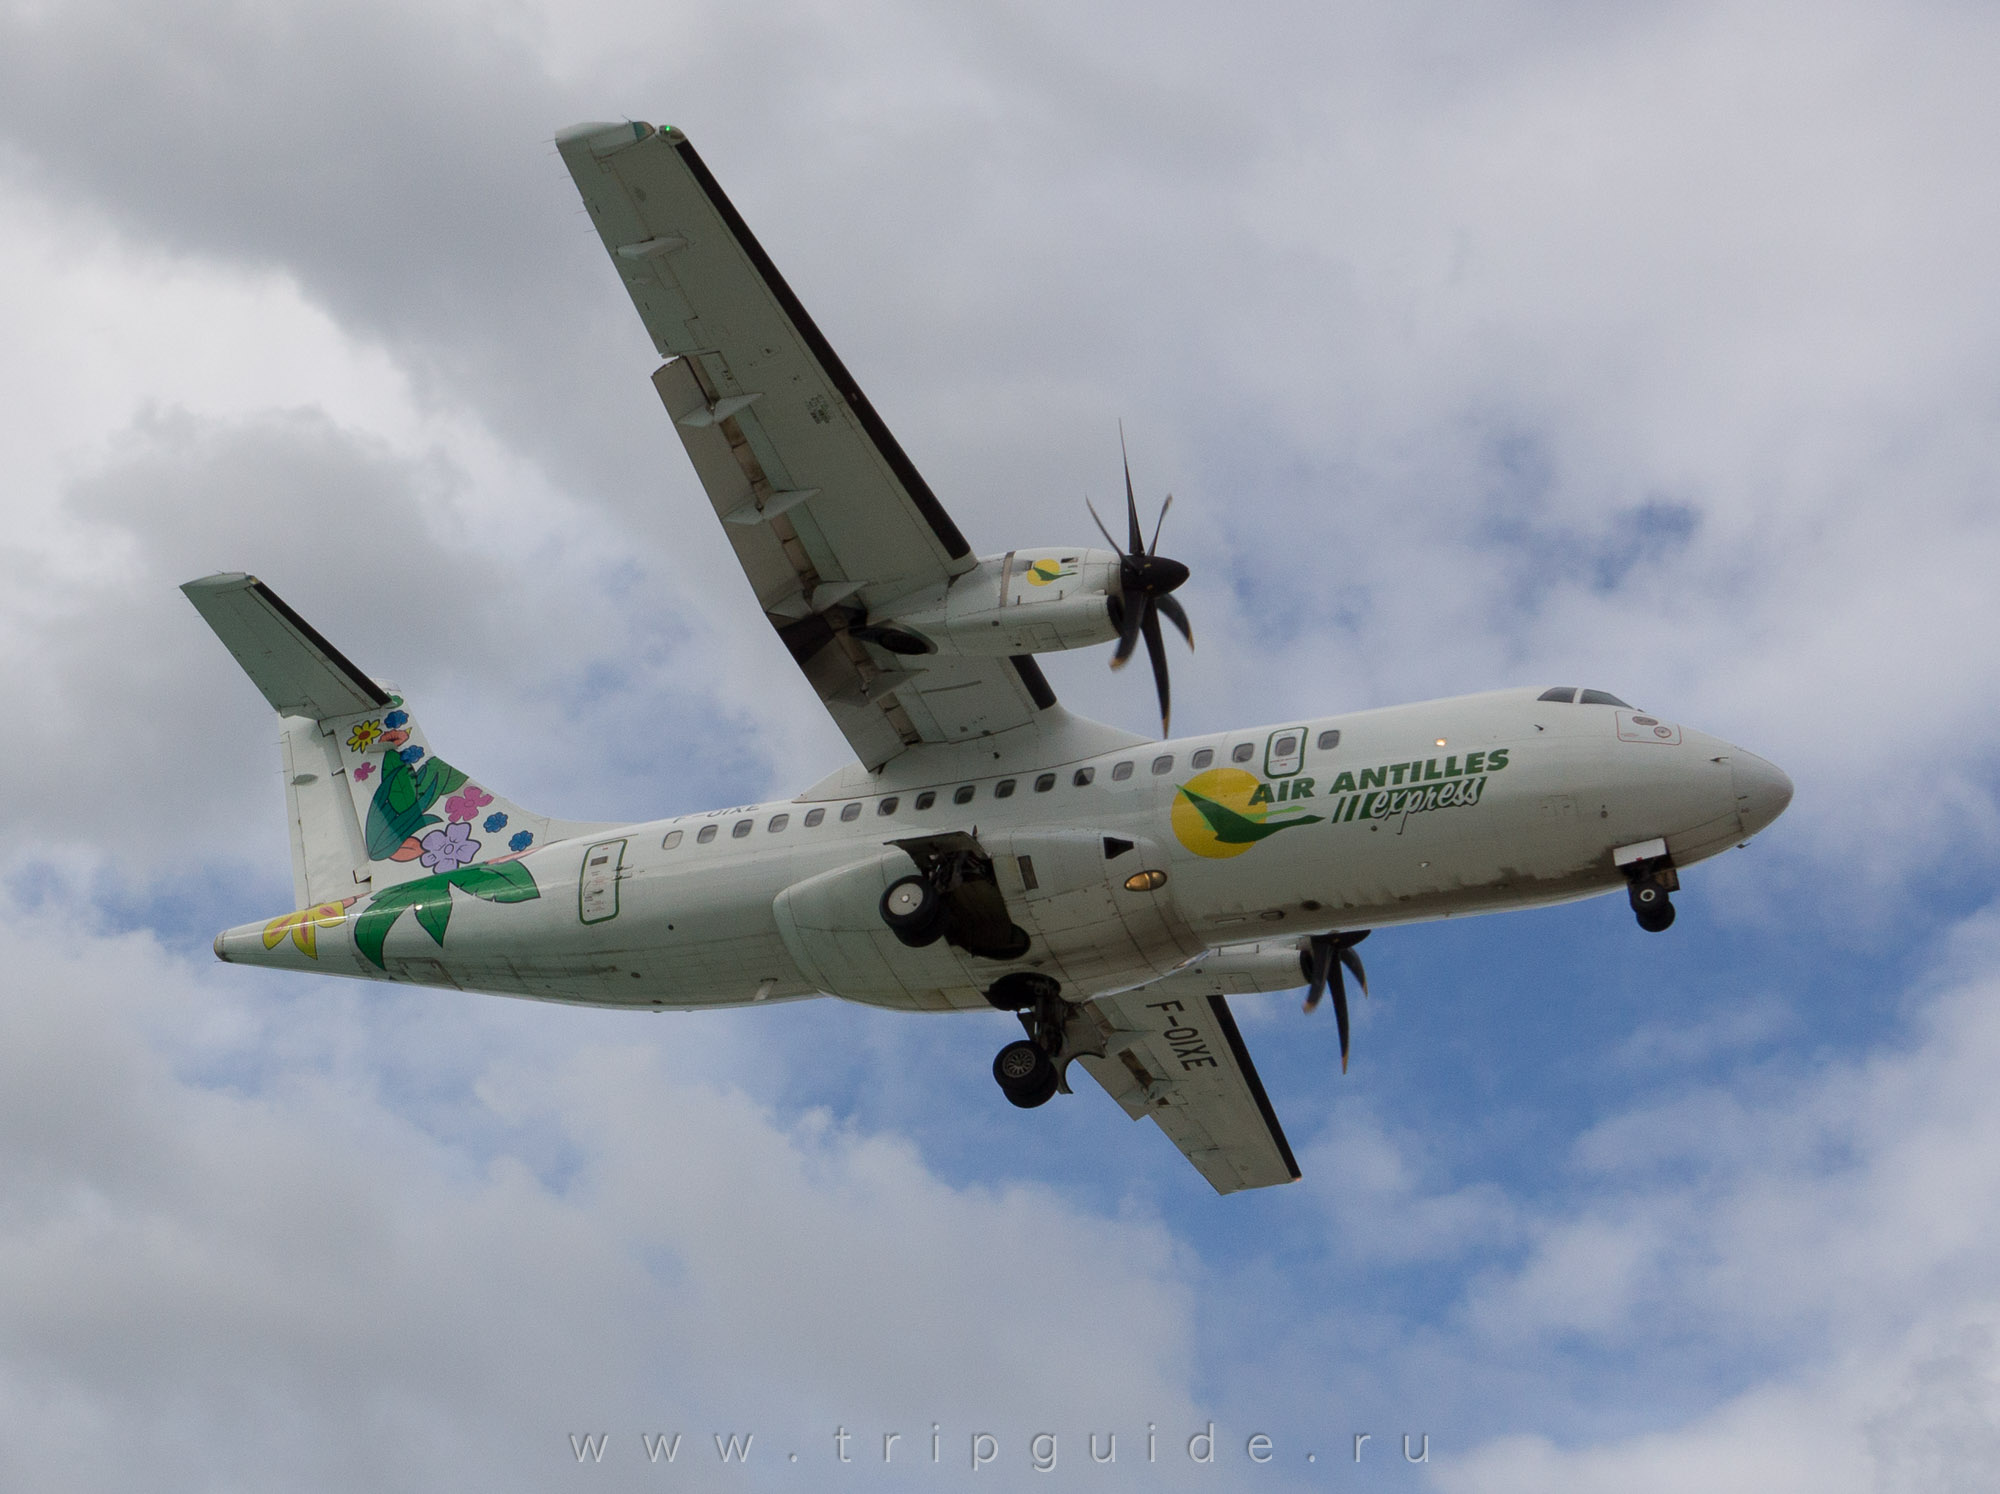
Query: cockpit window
[[1563, 693], [1601, 697]]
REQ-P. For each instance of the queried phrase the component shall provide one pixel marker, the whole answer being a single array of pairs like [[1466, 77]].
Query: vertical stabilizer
[[369, 804]]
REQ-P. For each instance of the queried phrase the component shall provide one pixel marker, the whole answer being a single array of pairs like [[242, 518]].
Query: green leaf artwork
[[402, 798], [430, 897]]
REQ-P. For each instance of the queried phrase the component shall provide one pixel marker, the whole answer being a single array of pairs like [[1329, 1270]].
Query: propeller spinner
[[1321, 960], [1145, 578]]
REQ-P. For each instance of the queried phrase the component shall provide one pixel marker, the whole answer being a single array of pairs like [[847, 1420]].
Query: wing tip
[[604, 137]]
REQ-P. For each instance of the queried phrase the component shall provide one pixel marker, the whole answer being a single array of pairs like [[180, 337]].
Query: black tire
[[1025, 1075], [1648, 897], [913, 911], [1658, 920]]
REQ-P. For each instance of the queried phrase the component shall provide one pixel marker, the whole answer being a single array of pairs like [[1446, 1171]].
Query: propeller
[[1145, 577], [1321, 960]]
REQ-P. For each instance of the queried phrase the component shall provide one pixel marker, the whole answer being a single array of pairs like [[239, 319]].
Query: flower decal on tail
[[467, 802], [305, 924], [400, 809], [450, 848]]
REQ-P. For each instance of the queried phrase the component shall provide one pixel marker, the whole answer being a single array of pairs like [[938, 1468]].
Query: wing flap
[[1182, 1062], [706, 291]]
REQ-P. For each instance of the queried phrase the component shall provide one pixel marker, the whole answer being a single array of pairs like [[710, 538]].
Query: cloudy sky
[[1653, 347]]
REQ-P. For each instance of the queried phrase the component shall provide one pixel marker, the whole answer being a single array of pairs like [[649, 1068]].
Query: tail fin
[[369, 805]]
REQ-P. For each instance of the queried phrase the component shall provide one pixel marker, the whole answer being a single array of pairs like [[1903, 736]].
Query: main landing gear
[[1026, 1068]]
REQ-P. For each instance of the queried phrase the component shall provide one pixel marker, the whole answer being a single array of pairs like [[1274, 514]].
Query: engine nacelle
[[1023, 602]]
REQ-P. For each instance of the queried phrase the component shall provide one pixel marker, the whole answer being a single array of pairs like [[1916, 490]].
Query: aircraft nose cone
[[1762, 790]]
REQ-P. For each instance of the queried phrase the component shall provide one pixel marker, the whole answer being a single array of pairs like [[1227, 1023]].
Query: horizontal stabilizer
[[299, 672]]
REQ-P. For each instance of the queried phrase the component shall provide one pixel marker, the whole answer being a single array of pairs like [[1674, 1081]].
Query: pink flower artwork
[[467, 802]]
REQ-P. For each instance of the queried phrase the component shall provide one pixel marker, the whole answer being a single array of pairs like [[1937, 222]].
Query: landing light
[[1146, 881], [1440, 741]]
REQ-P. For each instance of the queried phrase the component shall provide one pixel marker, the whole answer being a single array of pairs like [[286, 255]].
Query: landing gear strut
[[1026, 1068]]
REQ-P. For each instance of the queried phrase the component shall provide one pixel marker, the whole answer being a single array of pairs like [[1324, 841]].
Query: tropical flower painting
[[422, 809], [305, 924]]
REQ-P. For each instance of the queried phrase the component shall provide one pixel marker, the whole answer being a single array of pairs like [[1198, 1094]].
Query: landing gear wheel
[[913, 911], [1026, 1076], [1653, 908]]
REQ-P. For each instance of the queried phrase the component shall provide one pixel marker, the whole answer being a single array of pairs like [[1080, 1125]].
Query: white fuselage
[[1467, 805]]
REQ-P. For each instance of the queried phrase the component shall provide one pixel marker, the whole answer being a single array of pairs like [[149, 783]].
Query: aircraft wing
[[826, 512], [1180, 1060]]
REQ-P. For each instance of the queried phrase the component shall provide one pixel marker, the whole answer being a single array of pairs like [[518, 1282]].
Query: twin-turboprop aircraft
[[987, 848]]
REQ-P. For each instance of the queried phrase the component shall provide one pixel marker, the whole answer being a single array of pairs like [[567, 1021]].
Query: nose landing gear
[[1651, 906], [1649, 870]]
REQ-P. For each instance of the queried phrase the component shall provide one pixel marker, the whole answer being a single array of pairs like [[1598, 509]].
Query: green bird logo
[[1213, 815]]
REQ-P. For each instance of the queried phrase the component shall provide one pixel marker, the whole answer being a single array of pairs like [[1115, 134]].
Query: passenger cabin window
[[849, 813], [1046, 782], [1164, 763], [673, 839], [814, 816], [740, 829], [1202, 758], [887, 806], [1004, 789], [1328, 740], [706, 834], [1562, 693], [1122, 772], [1083, 777], [925, 800], [963, 793], [778, 822], [1601, 697], [1242, 752]]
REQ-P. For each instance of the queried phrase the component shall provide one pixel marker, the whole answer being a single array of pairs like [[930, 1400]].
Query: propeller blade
[[1317, 961], [1353, 962], [1340, 1015], [1326, 953], [1132, 613], [1156, 651], [1131, 503], [1160, 524], [1100, 526], [1174, 615]]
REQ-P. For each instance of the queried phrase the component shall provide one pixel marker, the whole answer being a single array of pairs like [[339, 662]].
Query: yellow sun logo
[[1213, 815], [1042, 572]]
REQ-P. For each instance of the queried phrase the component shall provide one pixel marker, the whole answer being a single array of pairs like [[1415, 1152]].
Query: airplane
[[986, 848]]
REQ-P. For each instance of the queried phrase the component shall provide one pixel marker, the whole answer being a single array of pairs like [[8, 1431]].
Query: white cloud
[[251, 1254], [1839, 1223]]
